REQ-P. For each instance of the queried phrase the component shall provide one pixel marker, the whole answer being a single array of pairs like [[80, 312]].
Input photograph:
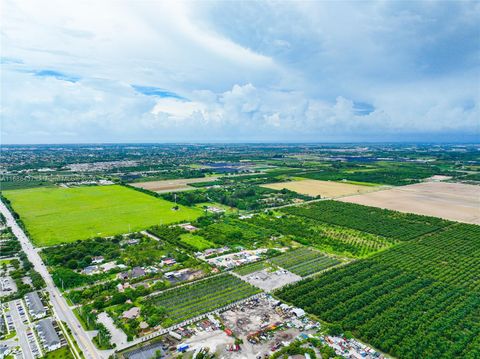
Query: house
[[121, 287], [134, 273], [90, 270], [214, 209], [132, 313], [168, 261], [4, 351], [122, 275], [35, 306], [48, 335], [151, 269], [108, 266], [97, 260], [188, 227], [137, 272], [132, 241]]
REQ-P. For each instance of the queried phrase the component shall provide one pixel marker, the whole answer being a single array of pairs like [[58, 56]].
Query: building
[[168, 261], [122, 275], [213, 209], [48, 335], [137, 272], [298, 312], [188, 227], [97, 260], [90, 270], [132, 313], [132, 241], [35, 306], [4, 351]]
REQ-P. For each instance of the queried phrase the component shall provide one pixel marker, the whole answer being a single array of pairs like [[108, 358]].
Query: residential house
[[132, 313], [213, 209], [168, 261], [35, 306], [48, 335], [90, 270], [137, 272], [97, 260], [188, 227], [122, 275]]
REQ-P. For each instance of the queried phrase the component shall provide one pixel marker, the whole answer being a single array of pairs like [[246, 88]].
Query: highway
[[60, 306]]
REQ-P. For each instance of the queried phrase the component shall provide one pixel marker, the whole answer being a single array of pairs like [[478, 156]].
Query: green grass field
[[56, 215], [197, 241], [62, 353]]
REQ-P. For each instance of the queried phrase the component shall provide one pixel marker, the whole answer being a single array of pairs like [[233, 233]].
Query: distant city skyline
[[242, 72]]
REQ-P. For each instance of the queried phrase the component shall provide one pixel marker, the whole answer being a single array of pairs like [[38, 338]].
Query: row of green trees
[[419, 299]]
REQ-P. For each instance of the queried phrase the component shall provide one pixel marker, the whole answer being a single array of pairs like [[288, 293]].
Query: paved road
[[61, 309], [21, 330]]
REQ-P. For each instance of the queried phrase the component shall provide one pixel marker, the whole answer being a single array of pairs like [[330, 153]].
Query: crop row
[[204, 296], [324, 236], [313, 266], [250, 268], [382, 222], [304, 261], [416, 300]]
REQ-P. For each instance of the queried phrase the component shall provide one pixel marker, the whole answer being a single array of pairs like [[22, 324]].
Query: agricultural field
[[58, 215], [326, 237], [239, 233], [324, 189], [236, 195], [250, 268], [453, 201], [304, 261], [381, 222], [201, 297], [171, 185], [197, 242], [418, 299], [389, 173]]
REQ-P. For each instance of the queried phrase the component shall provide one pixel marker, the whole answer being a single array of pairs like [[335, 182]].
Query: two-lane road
[[61, 309]]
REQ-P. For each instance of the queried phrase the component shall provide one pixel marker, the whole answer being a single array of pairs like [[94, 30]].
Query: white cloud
[[250, 71]]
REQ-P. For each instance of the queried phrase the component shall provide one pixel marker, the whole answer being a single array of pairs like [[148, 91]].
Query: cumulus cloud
[[239, 71]]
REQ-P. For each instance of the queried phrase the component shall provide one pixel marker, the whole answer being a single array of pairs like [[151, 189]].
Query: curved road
[[60, 306]]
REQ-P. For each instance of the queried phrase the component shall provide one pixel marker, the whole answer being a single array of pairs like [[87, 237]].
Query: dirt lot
[[454, 201], [268, 281], [321, 188], [171, 185]]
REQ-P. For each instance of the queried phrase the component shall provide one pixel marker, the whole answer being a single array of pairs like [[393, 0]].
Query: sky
[[239, 71]]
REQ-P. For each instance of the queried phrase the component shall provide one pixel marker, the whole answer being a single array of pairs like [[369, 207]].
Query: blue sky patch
[[10, 60], [363, 108], [56, 74], [156, 91]]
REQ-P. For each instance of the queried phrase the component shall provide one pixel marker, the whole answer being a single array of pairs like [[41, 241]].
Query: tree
[[72, 264], [334, 329]]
